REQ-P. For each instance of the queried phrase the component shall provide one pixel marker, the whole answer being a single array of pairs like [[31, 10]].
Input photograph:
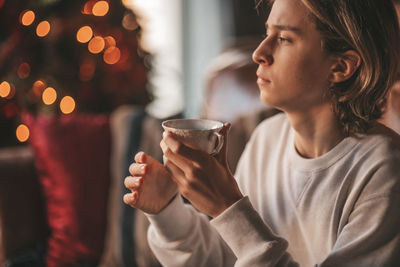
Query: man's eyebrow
[[283, 28]]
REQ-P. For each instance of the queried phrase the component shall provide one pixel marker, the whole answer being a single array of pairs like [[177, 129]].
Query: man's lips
[[262, 80]]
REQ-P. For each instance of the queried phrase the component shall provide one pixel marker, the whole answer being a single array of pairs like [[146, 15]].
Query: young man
[[316, 185]]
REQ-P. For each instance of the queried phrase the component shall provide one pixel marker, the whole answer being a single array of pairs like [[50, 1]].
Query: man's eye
[[283, 39]]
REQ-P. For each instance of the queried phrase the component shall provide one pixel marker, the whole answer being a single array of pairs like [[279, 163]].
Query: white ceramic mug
[[198, 133]]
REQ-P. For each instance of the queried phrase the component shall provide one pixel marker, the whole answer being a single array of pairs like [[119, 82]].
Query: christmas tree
[[60, 57]]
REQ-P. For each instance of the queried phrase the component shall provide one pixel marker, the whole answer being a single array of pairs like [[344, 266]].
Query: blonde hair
[[370, 28]]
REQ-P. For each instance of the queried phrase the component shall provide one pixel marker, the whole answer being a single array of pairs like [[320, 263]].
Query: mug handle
[[220, 139]]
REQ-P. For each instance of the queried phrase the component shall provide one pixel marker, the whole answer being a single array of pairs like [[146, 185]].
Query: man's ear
[[345, 65]]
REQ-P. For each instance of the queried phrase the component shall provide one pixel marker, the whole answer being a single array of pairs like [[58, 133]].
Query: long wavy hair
[[370, 28]]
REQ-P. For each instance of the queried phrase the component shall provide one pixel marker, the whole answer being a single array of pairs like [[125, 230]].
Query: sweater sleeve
[[251, 240], [181, 236]]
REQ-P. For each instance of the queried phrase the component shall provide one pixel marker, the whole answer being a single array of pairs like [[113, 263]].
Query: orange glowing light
[[100, 8], [86, 70], [67, 104], [112, 55], [110, 41], [49, 96], [43, 28], [129, 22], [12, 92], [27, 17], [24, 70], [22, 133], [84, 34], [38, 88], [96, 45], [5, 89]]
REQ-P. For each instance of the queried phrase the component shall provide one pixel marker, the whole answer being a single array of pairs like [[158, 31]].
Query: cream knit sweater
[[340, 209]]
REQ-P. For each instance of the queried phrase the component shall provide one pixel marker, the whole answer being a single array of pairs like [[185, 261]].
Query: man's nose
[[263, 53]]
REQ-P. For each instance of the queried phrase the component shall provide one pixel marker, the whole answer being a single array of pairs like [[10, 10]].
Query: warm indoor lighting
[[12, 92], [38, 88], [100, 8], [110, 41], [129, 22], [49, 96], [84, 34], [27, 17], [22, 133], [96, 45], [67, 104], [43, 28], [5, 89], [87, 8], [24, 70], [86, 70], [112, 55]]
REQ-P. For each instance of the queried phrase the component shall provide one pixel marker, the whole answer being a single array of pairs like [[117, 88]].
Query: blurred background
[[84, 85]]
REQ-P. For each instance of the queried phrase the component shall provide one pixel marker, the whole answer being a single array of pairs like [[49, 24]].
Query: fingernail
[[163, 146]]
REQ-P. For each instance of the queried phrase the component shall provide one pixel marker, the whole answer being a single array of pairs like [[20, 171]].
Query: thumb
[[222, 156]]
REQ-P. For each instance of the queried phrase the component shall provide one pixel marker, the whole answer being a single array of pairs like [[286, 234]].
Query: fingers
[[140, 157], [133, 183], [171, 156], [131, 199], [174, 145], [136, 169], [222, 155]]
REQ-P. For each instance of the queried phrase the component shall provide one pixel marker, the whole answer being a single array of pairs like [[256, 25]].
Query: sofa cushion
[[22, 217], [72, 158]]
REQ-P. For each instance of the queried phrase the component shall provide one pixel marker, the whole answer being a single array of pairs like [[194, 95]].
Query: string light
[[43, 28], [67, 104], [100, 8], [22, 133], [4, 89], [129, 22], [27, 17], [96, 45], [38, 88], [49, 96], [110, 41], [86, 70], [24, 70], [84, 34], [112, 55]]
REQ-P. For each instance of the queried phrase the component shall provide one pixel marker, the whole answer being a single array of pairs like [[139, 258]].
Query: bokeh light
[[84, 34], [49, 96], [129, 22], [112, 55], [67, 104], [86, 70], [2, 3], [12, 92], [22, 133], [5, 89], [100, 8], [23, 70], [27, 17], [38, 87], [43, 28], [96, 45], [110, 41]]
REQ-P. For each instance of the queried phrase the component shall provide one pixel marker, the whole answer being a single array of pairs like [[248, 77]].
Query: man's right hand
[[151, 185]]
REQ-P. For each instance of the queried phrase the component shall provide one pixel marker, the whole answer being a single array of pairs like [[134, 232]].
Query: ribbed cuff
[[243, 230], [173, 222]]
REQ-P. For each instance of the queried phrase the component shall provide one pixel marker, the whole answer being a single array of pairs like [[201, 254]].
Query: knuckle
[[127, 181]]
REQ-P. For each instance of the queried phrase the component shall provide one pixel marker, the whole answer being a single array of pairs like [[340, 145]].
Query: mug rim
[[219, 124]]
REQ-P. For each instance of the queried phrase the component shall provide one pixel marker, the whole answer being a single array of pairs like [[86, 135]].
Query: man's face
[[293, 68]]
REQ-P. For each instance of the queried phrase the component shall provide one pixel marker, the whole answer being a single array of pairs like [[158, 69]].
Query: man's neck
[[316, 131]]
